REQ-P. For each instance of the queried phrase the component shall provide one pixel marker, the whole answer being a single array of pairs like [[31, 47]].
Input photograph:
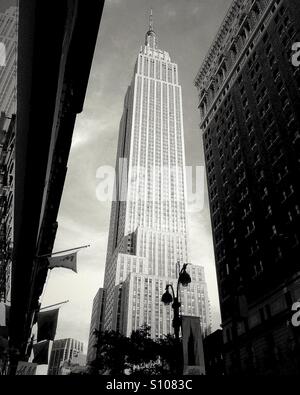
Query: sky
[[5, 4], [185, 29]]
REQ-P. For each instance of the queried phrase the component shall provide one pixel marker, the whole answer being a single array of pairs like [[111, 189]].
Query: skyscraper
[[148, 228], [96, 320], [249, 97]]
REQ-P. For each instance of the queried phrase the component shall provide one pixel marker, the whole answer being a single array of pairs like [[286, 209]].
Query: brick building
[[249, 94]]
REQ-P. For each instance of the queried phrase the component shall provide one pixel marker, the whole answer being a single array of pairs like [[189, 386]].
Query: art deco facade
[[249, 94], [148, 229]]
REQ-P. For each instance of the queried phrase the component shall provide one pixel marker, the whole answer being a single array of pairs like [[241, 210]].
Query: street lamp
[[184, 279]]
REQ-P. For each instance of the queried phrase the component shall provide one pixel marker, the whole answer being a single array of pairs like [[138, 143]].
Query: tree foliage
[[137, 355]]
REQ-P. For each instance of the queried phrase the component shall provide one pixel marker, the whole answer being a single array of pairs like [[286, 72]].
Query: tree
[[138, 355], [112, 351], [170, 354], [143, 357]]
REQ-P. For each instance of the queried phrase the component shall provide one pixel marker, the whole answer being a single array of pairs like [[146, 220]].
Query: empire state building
[[148, 225]]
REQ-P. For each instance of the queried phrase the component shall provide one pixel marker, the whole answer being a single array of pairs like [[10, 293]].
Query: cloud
[[114, 2], [195, 10], [171, 13]]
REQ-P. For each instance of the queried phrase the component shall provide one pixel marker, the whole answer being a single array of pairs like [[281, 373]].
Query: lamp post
[[184, 279]]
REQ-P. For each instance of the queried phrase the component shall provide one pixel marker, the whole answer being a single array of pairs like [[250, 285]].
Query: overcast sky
[[185, 29]]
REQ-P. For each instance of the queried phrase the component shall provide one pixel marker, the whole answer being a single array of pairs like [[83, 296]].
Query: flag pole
[[54, 305], [61, 252]]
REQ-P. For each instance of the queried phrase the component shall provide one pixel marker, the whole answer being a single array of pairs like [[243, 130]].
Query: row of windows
[[243, 37], [246, 26], [157, 69], [253, 247]]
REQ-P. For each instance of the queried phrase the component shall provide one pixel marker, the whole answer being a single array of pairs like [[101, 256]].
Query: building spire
[[150, 35], [151, 20]]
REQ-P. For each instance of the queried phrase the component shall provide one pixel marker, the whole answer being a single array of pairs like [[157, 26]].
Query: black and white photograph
[[150, 191]]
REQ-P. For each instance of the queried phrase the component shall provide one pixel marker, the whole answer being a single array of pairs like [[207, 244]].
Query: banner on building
[[41, 353], [3, 345], [193, 354], [7, 314], [47, 324], [4, 314], [4, 332], [65, 261]]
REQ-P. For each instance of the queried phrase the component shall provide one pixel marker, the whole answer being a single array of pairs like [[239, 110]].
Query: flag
[[36, 314], [66, 261], [2, 314], [40, 352], [3, 345], [30, 347], [7, 314], [192, 346], [47, 323], [4, 320], [4, 332]]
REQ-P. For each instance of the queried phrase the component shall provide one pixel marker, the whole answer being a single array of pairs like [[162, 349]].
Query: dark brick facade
[[251, 135], [213, 354]]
